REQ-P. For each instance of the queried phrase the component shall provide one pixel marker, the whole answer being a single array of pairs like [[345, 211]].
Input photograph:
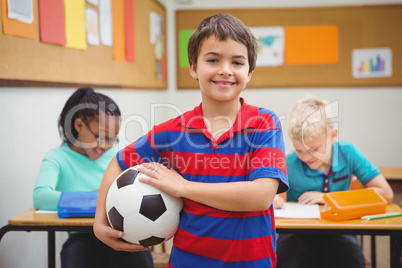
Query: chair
[[355, 184], [160, 256]]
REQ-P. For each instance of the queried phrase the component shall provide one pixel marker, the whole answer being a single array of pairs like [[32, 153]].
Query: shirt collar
[[339, 160], [194, 119]]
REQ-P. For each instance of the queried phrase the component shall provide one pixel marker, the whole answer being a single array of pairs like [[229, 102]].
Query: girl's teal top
[[64, 170]]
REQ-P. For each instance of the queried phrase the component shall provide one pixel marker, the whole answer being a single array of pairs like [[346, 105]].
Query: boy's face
[[316, 152], [222, 69]]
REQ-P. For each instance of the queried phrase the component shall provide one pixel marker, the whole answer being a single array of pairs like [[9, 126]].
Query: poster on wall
[[270, 45], [372, 63]]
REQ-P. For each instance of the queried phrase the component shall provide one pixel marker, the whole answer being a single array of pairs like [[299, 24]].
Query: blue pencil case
[[77, 204]]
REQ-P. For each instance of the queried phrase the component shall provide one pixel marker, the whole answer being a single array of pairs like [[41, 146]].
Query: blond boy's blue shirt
[[347, 160]]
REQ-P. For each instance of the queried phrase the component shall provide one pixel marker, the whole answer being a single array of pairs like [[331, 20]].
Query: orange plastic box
[[352, 204]]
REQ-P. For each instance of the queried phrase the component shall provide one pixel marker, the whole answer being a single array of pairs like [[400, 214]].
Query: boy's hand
[[278, 202], [256, 195], [112, 238], [163, 178], [311, 198]]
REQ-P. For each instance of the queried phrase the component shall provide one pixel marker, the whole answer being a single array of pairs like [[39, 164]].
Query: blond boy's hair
[[310, 117]]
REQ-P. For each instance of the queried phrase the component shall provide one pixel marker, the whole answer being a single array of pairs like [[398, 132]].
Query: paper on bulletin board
[[313, 44], [21, 10], [15, 27], [93, 2], [155, 26], [52, 21], [184, 36], [75, 24], [160, 58], [105, 22], [129, 29], [372, 63], [270, 45], [91, 23], [119, 43]]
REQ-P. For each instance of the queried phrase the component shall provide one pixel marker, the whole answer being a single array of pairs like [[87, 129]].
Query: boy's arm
[[378, 183], [102, 229], [256, 195], [382, 187], [311, 198], [367, 173]]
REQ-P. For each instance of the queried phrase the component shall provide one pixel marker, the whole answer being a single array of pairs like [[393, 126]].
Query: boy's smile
[[224, 84], [222, 69]]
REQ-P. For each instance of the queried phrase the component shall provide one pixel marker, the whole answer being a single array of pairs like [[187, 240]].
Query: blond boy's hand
[[311, 198], [278, 202]]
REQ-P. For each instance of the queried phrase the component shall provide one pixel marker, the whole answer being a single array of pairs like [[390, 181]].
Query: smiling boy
[[235, 153]]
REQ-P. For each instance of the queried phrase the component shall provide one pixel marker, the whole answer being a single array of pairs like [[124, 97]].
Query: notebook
[[77, 204], [298, 211]]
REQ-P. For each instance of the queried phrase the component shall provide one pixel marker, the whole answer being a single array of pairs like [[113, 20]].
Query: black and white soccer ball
[[146, 215]]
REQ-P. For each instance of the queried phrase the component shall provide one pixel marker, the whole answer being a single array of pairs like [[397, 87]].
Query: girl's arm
[[45, 195], [382, 187], [256, 195], [102, 229]]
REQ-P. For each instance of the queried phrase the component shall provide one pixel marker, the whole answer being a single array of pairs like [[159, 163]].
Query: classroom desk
[[394, 178], [50, 223], [391, 227], [391, 173]]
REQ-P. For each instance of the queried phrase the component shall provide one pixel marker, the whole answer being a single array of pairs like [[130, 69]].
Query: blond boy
[[323, 164]]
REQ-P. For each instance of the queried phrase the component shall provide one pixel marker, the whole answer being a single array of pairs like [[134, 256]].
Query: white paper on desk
[[45, 212], [298, 211]]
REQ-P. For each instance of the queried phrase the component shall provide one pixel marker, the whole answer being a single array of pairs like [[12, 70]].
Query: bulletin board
[[32, 63], [358, 27]]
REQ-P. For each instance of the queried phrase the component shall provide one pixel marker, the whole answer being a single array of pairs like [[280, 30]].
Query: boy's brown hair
[[223, 26]]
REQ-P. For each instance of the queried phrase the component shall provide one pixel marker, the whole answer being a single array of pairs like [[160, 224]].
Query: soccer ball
[[146, 215]]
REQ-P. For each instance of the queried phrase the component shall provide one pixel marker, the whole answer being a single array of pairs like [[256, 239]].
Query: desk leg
[[396, 248], [51, 248], [4, 230], [373, 252]]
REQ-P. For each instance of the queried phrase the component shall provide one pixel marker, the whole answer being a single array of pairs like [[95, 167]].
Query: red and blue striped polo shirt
[[253, 148]]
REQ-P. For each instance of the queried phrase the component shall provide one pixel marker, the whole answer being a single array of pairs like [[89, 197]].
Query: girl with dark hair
[[88, 125]]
